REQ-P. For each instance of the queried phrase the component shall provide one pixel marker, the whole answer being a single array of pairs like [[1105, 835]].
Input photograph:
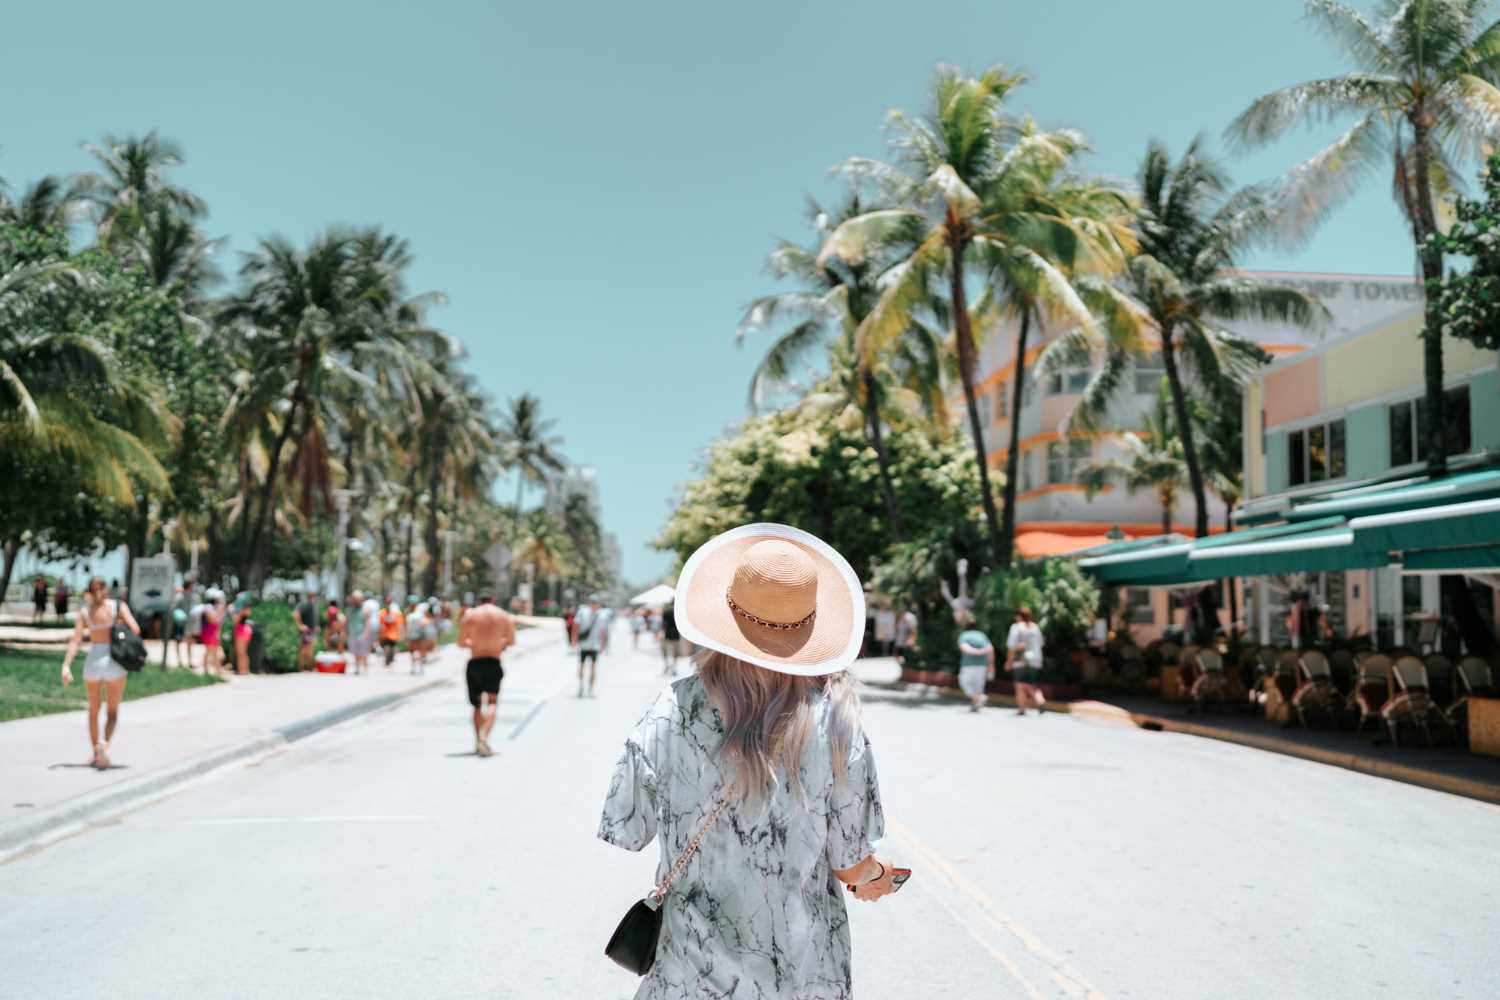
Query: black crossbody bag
[[633, 944], [125, 647]]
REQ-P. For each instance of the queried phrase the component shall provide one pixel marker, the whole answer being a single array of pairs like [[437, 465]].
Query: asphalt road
[[1053, 857]]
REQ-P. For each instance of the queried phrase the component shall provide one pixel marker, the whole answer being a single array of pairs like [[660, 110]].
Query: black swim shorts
[[584, 655], [484, 676]]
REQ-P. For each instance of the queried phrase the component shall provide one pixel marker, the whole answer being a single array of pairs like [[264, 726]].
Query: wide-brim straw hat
[[774, 596]]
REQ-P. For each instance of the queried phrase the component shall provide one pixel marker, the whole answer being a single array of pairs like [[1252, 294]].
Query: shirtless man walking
[[486, 631]]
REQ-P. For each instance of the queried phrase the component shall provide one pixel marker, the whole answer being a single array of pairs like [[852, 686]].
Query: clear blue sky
[[595, 185]]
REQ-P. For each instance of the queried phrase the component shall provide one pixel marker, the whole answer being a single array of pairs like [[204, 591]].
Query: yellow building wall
[[1389, 360]]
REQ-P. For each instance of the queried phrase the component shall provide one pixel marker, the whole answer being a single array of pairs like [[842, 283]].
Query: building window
[[1028, 392], [1149, 371], [1064, 458], [1002, 400], [1138, 609], [1028, 482], [1072, 381], [984, 410], [1408, 424], [1315, 453]]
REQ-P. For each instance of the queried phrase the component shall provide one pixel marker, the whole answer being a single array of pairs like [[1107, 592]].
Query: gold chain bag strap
[[633, 944]]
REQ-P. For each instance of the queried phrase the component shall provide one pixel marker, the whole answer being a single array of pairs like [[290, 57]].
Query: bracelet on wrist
[[877, 878]]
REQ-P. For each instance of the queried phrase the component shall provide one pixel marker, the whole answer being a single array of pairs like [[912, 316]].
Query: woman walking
[[759, 758], [1023, 643], [213, 620], [103, 678], [242, 633], [976, 660], [38, 600]]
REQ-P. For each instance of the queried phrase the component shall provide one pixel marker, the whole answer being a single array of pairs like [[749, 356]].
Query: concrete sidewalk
[[1443, 769], [48, 783]]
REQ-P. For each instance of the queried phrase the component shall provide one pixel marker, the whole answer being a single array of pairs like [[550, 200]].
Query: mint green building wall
[[1275, 461], [1484, 410], [1367, 432]]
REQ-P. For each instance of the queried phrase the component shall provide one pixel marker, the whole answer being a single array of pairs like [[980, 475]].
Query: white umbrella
[[659, 594]]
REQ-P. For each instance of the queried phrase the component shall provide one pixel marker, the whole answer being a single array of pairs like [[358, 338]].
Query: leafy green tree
[[1469, 301], [131, 185], [823, 477], [1425, 94], [975, 187]]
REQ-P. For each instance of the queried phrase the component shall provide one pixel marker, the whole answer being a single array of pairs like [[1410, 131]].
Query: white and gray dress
[[758, 912]]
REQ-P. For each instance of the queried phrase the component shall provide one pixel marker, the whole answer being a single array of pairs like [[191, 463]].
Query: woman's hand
[[67, 675], [875, 889]]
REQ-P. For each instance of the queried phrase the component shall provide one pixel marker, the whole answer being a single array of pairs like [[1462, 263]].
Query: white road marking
[[254, 820]]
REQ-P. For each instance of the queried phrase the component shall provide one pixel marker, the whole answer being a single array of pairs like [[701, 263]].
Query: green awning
[[1471, 557], [1195, 561], [1329, 548], [1407, 494], [1473, 522], [1128, 545]]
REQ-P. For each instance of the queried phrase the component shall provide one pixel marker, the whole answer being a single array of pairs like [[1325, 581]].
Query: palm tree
[[976, 187], [132, 184], [1154, 461], [1425, 94], [459, 454], [1191, 233], [46, 204], [835, 299], [528, 446]]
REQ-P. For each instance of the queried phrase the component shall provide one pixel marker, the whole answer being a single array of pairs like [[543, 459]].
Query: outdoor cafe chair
[[1341, 664], [1169, 652], [1412, 702], [1372, 688], [1210, 687], [1316, 694], [1440, 678], [1475, 677]]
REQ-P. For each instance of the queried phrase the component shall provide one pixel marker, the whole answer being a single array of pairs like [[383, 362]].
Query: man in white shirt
[[592, 624]]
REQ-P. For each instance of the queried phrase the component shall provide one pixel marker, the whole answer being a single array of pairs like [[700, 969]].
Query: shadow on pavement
[[112, 767]]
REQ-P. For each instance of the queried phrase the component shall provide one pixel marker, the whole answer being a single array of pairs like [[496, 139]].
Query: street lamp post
[[448, 562], [342, 497]]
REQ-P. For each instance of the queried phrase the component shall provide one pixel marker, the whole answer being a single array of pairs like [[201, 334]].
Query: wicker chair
[[1210, 687], [1317, 694], [1132, 669], [1372, 689], [1475, 677], [1168, 652], [1440, 678], [1341, 664], [1412, 703]]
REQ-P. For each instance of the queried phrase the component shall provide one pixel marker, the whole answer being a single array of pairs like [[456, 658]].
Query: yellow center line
[[1068, 979]]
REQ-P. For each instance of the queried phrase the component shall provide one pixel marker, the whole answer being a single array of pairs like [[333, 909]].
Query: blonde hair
[[769, 717], [97, 583]]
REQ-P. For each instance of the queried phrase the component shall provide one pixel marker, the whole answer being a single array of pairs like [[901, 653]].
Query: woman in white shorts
[[103, 678]]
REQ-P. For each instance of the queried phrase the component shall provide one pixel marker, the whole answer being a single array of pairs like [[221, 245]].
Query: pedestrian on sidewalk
[[305, 614], [60, 600], [213, 620], [177, 623], [592, 624], [767, 732], [392, 624], [103, 678], [242, 632], [418, 621], [361, 630], [336, 628], [671, 641], [486, 631], [976, 660], [1023, 658], [637, 624], [38, 599]]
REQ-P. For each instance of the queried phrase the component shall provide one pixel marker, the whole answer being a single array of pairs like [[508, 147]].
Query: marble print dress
[[758, 913]]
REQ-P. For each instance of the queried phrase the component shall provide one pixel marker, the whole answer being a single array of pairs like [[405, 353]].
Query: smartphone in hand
[[898, 879]]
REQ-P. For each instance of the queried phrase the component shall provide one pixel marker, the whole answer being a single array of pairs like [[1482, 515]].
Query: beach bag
[[125, 647], [633, 944]]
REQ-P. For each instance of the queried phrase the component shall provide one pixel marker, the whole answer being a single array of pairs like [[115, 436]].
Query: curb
[[1465, 787], [28, 832]]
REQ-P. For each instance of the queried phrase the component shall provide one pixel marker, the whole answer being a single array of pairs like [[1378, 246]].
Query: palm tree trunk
[[1431, 257], [1185, 432], [515, 532], [350, 454], [1013, 450], [882, 460], [965, 336], [8, 564], [1168, 502], [434, 485], [251, 560]]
